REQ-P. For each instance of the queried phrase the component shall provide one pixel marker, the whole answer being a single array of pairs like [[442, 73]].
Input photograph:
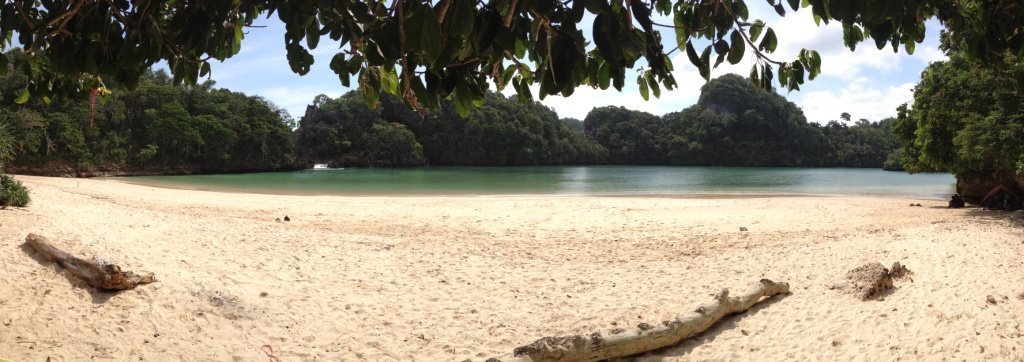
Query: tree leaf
[[389, 80], [910, 46], [425, 98], [664, 7], [431, 41], [460, 18], [618, 78], [520, 48], [298, 58], [655, 88], [603, 76], [341, 67], [692, 54], [462, 98], [755, 30], [705, 63], [784, 74], [769, 42], [564, 59], [313, 34], [606, 30], [23, 97], [369, 86], [738, 47], [506, 76], [204, 69], [881, 33], [236, 45], [681, 28], [740, 9], [644, 91], [721, 47], [814, 65]]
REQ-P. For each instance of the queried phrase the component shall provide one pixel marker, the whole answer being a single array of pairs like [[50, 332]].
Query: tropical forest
[[159, 128]]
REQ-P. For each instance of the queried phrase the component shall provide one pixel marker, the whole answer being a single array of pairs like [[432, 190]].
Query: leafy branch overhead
[[425, 51]]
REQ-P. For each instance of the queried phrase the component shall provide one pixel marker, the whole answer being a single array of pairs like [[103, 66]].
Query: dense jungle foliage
[[155, 128], [967, 117], [159, 128], [736, 124], [344, 132], [733, 124], [12, 192]]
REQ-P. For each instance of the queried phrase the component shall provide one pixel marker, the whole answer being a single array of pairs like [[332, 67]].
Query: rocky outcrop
[[973, 187]]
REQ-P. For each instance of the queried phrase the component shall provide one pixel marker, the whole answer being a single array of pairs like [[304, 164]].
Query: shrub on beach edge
[[12, 192]]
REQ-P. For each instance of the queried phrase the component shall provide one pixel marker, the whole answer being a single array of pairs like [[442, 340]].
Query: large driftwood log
[[98, 273], [646, 337]]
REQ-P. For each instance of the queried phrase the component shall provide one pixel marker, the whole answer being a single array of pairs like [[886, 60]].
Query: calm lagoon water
[[572, 180]]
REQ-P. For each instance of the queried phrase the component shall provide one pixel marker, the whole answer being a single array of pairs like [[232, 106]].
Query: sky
[[867, 83]]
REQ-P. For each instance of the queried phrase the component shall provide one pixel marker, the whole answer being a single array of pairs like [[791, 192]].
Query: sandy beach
[[457, 278]]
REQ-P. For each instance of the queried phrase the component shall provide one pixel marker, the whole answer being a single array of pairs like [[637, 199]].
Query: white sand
[[455, 278]]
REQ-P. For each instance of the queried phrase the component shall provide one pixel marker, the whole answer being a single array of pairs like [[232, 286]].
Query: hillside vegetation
[[159, 128]]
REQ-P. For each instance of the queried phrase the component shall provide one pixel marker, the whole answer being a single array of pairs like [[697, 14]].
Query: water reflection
[[584, 180]]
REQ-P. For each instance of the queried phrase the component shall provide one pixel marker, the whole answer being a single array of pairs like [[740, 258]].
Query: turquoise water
[[572, 180]]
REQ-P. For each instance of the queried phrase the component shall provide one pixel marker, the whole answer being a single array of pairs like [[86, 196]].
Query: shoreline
[[681, 195], [457, 278]]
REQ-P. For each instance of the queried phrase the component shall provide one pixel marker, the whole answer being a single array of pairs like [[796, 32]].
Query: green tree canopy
[[736, 124], [733, 124], [967, 117], [156, 128], [428, 50], [502, 132]]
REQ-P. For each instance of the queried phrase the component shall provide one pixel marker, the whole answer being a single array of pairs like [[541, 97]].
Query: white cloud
[[798, 31], [930, 54], [868, 83], [857, 98], [295, 99]]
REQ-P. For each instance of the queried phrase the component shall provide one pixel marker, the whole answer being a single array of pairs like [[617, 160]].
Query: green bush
[[12, 192], [147, 154]]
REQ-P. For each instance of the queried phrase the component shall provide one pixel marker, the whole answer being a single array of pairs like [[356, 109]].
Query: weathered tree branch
[[646, 337], [97, 273]]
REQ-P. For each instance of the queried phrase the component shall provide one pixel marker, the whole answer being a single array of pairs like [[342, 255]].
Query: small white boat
[[320, 166]]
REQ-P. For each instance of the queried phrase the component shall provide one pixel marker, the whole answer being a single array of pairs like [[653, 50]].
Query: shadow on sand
[[1016, 218], [688, 345]]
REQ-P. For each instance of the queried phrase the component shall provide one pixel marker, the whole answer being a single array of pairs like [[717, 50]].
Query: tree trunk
[[646, 337], [98, 273]]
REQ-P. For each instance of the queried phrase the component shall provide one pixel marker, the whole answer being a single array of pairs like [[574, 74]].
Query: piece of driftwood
[[98, 273], [646, 337]]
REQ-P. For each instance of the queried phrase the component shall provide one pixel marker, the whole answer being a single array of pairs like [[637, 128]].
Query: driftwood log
[[646, 337], [98, 273]]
